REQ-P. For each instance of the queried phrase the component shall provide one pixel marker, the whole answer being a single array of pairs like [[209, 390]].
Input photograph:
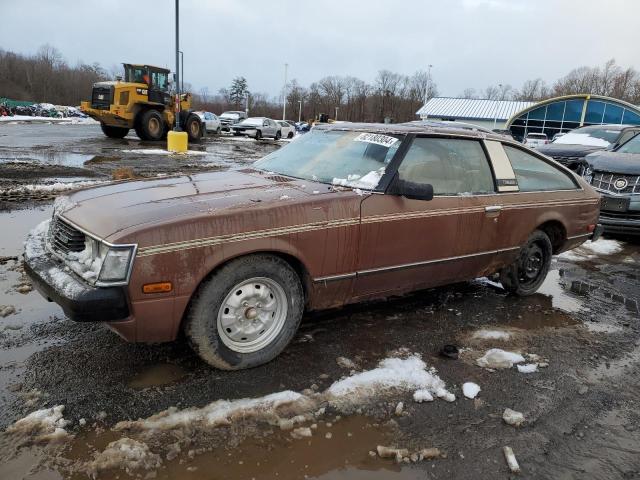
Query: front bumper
[[620, 222], [79, 301]]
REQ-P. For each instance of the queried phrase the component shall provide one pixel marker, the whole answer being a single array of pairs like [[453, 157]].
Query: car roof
[[406, 128]]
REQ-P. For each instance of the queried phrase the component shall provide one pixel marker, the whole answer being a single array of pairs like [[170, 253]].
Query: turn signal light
[[161, 287], [591, 228]]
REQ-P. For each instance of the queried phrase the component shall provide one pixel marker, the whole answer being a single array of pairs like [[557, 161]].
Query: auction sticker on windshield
[[378, 139]]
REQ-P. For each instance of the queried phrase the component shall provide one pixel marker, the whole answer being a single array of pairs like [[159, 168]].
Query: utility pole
[[336, 117], [299, 110], [428, 86], [182, 69], [177, 127], [284, 93]]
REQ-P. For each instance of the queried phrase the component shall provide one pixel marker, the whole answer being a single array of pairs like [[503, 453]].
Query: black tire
[[530, 269], [151, 125], [278, 135], [258, 135], [193, 127], [114, 132], [218, 131], [290, 135], [201, 323]]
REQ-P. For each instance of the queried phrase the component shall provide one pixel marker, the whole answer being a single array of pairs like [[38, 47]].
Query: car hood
[[568, 150], [113, 211], [625, 163]]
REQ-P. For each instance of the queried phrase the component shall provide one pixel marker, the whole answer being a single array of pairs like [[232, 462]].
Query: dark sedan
[[616, 175], [570, 149]]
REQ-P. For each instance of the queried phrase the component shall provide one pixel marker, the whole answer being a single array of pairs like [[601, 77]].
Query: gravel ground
[[581, 418]]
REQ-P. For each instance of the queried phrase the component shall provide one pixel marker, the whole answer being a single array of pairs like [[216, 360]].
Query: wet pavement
[[581, 415]]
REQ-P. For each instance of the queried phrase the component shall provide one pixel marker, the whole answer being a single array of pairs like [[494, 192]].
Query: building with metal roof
[[482, 112]]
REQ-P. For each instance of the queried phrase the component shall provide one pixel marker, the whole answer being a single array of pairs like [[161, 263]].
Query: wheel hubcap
[[531, 264], [154, 126], [252, 315]]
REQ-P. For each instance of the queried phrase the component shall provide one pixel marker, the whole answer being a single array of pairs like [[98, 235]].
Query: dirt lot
[[581, 418]]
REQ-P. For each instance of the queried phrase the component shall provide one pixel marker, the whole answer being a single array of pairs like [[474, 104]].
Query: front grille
[[620, 215], [565, 159], [607, 181], [64, 238], [101, 103]]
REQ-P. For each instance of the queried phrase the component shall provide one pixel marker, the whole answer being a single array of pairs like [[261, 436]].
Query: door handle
[[493, 209]]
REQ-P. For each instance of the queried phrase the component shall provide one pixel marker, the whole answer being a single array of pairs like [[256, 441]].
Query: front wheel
[[526, 274], [114, 132], [258, 135], [278, 135], [246, 313], [218, 131], [151, 126]]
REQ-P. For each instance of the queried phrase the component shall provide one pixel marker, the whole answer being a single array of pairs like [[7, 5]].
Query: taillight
[[591, 228]]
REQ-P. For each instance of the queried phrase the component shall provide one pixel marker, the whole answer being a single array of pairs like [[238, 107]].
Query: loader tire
[[193, 127], [151, 125], [114, 132]]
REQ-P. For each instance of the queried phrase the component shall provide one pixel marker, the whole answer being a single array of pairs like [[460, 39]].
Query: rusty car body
[[219, 254]]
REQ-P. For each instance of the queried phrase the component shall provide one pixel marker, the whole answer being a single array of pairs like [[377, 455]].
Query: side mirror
[[410, 190]]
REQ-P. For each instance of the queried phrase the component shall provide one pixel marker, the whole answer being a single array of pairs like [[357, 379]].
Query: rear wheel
[[193, 127], [114, 132], [290, 135], [218, 131], [246, 313], [527, 273], [151, 125]]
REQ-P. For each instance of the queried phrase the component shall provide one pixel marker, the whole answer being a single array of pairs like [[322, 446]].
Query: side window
[[452, 166], [535, 175]]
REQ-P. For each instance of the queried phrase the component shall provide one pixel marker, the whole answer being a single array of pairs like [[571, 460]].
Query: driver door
[[410, 244]]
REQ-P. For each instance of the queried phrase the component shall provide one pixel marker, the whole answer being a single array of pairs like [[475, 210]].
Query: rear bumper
[[79, 301]]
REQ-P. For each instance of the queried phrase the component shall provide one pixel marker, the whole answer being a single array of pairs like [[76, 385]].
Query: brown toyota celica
[[343, 214]]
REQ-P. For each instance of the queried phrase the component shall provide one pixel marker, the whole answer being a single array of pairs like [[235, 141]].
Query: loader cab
[[156, 78]]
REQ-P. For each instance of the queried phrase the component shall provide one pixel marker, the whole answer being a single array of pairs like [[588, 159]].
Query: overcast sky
[[470, 43]]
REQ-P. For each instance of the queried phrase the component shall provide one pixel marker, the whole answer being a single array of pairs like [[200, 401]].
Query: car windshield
[[254, 122], [230, 115], [352, 159], [589, 136], [632, 146]]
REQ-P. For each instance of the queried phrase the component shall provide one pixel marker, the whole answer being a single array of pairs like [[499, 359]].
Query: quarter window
[[534, 174], [451, 166]]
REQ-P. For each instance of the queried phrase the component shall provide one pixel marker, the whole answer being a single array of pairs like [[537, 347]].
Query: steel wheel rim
[[531, 265], [252, 315], [194, 129]]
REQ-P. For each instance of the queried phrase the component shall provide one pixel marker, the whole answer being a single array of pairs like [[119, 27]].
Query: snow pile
[[485, 334], [62, 203], [589, 250], [528, 368], [42, 425], [498, 358], [368, 181], [422, 395], [34, 245], [53, 187], [470, 389], [222, 412], [160, 151], [126, 454], [392, 374]]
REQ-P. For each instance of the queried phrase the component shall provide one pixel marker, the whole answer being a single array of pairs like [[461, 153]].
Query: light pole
[[284, 93], [177, 127], [299, 110], [495, 117], [182, 69], [336, 117], [428, 86]]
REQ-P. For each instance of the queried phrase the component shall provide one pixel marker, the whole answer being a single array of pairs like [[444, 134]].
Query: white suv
[[534, 140]]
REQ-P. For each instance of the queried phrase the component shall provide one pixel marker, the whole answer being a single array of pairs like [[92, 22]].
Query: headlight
[[101, 264], [588, 174]]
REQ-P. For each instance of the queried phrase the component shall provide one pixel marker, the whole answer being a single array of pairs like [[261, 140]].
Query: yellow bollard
[[177, 141]]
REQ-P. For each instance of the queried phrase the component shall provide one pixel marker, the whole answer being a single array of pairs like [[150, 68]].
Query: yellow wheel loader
[[142, 102]]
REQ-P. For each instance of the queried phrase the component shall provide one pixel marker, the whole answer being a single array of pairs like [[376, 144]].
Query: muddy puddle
[[157, 376], [54, 157], [337, 450]]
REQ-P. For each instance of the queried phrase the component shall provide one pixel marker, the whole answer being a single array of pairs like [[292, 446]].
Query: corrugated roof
[[471, 108]]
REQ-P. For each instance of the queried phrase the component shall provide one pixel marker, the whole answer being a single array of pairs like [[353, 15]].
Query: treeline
[[46, 77], [610, 80]]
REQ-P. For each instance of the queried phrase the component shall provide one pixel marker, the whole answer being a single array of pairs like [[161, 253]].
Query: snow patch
[[126, 454], [53, 187], [486, 334], [160, 151], [498, 358], [589, 250], [34, 245], [528, 368], [422, 395], [44, 425], [470, 389], [368, 182]]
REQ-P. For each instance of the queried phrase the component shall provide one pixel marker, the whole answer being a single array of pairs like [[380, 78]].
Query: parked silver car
[[258, 127], [227, 119]]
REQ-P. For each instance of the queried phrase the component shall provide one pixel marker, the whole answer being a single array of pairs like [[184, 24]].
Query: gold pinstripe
[[309, 227]]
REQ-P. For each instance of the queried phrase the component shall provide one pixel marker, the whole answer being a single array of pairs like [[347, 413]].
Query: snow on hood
[[574, 138]]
